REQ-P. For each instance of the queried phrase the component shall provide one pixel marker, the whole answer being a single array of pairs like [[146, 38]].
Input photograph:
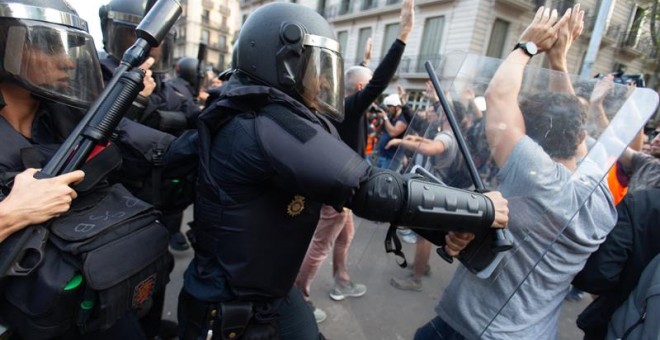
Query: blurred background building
[[490, 28], [213, 22]]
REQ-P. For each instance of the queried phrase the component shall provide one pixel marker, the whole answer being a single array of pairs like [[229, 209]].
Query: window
[[365, 33], [224, 21], [205, 36], [391, 33], [321, 7], [222, 42], [345, 7], [368, 4], [206, 16], [633, 34], [498, 38], [431, 42], [342, 38]]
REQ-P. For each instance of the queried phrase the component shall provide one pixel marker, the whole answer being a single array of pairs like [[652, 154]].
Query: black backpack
[[103, 259]]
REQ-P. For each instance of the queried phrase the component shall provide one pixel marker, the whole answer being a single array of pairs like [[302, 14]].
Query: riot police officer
[[49, 73], [186, 77], [269, 158], [165, 110]]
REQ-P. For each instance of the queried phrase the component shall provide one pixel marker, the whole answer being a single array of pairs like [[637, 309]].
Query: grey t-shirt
[[544, 197], [439, 164], [645, 170]]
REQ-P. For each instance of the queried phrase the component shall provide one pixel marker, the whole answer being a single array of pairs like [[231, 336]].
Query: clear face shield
[[321, 84], [121, 36], [53, 61]]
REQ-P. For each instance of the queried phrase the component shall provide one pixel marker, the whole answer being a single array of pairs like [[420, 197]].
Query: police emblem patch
[[296, 206], [143, 291]]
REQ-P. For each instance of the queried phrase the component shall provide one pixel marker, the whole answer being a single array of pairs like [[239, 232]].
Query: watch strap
[[522, 46]]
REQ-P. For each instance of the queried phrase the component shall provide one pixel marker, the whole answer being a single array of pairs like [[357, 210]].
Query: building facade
[[485, 27], [212, 22]]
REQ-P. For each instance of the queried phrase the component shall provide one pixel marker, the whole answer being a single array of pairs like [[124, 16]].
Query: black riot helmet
[[45, 47], [293, 48], [186, 69], [119, 18]]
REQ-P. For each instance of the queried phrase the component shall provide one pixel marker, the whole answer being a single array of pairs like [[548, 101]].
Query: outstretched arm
[[504, 121], [424, 146]]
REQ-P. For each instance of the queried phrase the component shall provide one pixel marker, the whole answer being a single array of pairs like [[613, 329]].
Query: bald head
[[356, 79]]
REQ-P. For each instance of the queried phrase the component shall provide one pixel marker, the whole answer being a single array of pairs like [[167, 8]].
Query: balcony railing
[[611, 34], [638, 43], [408, 64]]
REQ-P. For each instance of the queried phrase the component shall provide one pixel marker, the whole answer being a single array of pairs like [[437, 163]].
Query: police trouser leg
[[296, 321]]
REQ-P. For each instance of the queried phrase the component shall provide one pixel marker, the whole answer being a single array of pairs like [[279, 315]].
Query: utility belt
[[231, 320]]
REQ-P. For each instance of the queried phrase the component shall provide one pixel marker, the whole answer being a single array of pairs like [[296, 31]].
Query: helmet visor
[[52, 61], [122, 36], [322, 77]]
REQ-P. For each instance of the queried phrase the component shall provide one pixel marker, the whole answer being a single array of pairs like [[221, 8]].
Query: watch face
[[531, 48]]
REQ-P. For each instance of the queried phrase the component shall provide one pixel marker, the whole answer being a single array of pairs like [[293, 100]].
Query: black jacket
[[353, 130], [264, 174], [613, 271]]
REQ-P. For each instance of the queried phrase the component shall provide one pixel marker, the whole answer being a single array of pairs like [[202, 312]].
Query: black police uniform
[[267, 165], [264, 176], [52, 124]]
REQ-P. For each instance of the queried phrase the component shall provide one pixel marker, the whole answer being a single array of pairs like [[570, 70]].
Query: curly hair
[[555, 121]]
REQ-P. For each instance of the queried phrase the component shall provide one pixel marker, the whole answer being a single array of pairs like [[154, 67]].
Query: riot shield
[[555, 221], [560, 210]]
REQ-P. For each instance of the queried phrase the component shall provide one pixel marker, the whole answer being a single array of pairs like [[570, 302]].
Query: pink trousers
[[334, 229]]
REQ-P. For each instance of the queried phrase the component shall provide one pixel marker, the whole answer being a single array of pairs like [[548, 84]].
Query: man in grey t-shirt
[[536, 143]]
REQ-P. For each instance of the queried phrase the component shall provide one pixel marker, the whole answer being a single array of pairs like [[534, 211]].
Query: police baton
[[500, 242]]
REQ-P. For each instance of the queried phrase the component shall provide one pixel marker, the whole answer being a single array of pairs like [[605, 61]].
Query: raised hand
[[566, 34], [430, 92], [542, 31], [407, 20], [602, 88], [367, 52]]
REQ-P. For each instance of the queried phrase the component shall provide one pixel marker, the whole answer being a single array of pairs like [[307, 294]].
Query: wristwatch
[[528, 47]]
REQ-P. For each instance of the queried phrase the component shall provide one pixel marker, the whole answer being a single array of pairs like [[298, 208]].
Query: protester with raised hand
[[535, 144]]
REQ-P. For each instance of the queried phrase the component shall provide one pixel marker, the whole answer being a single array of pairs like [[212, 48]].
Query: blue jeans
[[383, 162], [437, 329]]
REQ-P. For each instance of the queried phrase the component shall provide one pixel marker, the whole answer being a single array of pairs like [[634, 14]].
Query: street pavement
[[384, 312]]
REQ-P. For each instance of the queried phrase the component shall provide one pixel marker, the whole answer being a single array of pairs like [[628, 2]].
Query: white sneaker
[[319, 314], [340, 292], [409, 238]]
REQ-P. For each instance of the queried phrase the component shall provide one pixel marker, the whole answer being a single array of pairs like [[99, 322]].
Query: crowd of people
[[266, 218]]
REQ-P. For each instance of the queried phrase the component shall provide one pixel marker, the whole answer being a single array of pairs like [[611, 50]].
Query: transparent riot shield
[[555, 221], [560, 209]]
